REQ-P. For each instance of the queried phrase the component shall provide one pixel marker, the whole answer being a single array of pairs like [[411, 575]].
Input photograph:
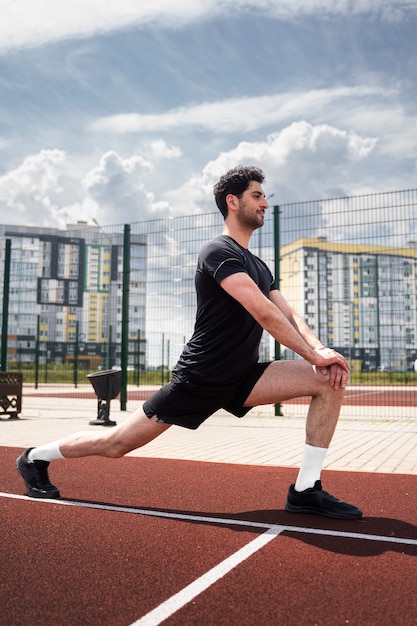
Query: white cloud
[[117, 188], [370, 218], [178, 128], [301, 161], [160, 150], [389, 10], [238, 114], [396, 128], [27, 24], [47, 190], [33, 190], [374, 118]]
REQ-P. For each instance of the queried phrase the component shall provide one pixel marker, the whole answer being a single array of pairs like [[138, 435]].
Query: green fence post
[[109, 362], [38, 325], [5, 318], [277, 258], [163, 359], [76, 348], [125, 317], [137, 368]]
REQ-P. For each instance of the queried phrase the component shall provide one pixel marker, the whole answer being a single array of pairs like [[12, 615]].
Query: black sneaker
[[318, 502], [35, 475]]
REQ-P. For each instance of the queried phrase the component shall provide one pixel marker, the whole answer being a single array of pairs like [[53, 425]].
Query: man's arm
[[278, 318], [292, 316]]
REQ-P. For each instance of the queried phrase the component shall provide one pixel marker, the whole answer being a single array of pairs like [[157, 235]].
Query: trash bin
[[11, 384], [107, 387]]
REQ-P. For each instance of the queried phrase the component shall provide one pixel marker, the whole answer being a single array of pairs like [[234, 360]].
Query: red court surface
[[363, 395], [152, 541]]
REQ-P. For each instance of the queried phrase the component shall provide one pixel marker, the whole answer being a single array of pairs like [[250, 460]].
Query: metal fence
[[91, 298]]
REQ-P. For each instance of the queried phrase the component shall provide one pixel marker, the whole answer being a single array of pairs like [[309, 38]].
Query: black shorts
[[188, 404]]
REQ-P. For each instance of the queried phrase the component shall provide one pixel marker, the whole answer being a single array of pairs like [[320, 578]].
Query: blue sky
[[126, 111]]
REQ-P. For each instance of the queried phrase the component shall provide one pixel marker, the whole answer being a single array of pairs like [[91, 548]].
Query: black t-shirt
[[225, 341]]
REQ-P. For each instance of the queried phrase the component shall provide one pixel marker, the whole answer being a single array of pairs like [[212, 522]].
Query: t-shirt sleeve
[[273, 284], [219, 259], [220, 263]]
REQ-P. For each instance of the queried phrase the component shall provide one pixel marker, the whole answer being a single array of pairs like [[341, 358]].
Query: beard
[[249, 219]]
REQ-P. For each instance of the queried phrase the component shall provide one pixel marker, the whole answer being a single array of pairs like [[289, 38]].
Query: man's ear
[[231, 201]]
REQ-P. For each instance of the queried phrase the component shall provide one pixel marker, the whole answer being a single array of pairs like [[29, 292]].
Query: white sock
[[48, 452], [311, 465]]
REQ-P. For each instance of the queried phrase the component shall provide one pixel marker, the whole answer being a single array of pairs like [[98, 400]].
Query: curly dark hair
[[235, 181]]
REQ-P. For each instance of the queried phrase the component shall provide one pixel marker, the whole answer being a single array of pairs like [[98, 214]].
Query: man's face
[[252, 206]]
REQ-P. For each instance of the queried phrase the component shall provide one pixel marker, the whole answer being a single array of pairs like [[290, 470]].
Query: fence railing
[[348, 265]]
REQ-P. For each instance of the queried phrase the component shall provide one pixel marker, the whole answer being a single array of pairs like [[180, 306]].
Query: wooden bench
[[11, 384]]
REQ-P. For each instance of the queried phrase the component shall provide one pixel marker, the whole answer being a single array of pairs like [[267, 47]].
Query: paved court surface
[[361, 442]]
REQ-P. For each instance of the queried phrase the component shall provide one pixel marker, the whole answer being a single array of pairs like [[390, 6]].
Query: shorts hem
[[178, 393]]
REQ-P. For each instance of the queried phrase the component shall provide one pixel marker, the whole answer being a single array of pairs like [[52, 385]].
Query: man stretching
[[218, 369]]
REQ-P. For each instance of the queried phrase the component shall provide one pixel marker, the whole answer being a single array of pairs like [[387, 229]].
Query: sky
[[128, 111]]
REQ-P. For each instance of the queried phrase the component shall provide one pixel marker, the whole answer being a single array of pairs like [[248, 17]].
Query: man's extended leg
[[285, 380], [136, 431]]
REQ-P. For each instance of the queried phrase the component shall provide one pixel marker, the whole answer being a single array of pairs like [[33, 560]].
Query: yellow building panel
[[347, 248]]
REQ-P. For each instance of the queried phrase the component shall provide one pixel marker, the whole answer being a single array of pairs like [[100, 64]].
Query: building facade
[[65, 295], [359, 299]]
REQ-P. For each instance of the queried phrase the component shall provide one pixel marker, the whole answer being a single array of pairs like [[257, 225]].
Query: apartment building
[[65, 295], [359, 299]]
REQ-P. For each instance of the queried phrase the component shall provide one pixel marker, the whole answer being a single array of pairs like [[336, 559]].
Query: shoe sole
[[54, 495], [290, 508]]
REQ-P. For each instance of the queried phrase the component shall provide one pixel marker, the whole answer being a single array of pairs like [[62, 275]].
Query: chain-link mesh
[[347, 265]]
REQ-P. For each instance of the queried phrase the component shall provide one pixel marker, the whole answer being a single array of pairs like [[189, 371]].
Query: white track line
[[225, 521], [180, 599]]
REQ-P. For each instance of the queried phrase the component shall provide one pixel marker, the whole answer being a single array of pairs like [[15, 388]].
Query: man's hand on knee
[[333, 365], [338, 377]]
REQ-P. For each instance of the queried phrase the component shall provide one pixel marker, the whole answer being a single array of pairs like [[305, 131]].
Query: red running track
[[355, 396], [148, 541]]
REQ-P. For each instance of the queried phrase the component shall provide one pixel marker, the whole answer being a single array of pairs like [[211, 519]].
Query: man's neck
[[241, 236]]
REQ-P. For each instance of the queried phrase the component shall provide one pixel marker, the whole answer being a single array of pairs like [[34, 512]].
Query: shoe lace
[[332, 498]]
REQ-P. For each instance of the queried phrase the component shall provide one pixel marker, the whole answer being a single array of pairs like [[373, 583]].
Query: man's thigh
[[285, 380]]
